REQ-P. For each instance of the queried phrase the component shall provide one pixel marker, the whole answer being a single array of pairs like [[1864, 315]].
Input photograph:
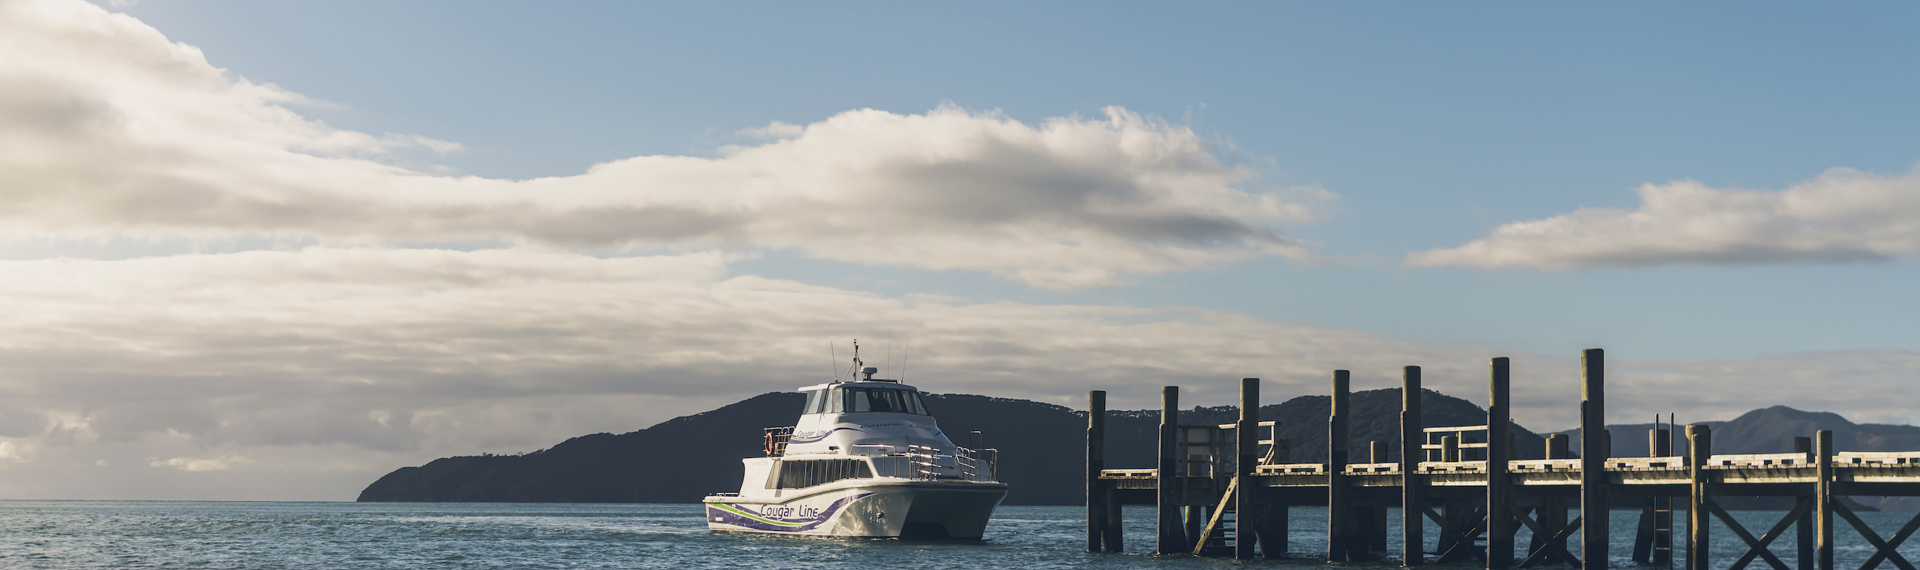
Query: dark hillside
[[649, 466]]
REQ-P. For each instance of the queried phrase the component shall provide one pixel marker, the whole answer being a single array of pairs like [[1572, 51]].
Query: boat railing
[[776, 440], [927, 463]]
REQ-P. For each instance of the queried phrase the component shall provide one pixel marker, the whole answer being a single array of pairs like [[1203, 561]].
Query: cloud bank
[[1843, 215], [108, 127], [327, 367]]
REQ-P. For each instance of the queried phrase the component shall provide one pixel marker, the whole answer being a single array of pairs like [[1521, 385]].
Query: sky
[[272, 251]]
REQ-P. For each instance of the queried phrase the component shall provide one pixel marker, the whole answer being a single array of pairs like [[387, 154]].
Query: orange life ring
[[770, 444]]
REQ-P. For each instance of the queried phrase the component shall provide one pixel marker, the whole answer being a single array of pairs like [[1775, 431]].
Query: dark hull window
[[803, 474]]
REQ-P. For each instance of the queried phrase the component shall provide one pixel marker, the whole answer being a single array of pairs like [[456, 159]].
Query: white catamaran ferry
[[865, 460]]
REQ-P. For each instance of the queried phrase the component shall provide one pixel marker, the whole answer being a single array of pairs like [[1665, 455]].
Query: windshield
[[876, 400], [816, 402]]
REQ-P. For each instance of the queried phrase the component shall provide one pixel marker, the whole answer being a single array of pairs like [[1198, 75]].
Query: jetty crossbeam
[[1228, 495]]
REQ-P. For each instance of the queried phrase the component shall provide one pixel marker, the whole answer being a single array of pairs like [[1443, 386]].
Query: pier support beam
[[1823, 499], [1096, 461], [1699, 540], [1246, 444], [1499, 450], [1412, 549], [1593, 460], [1343, 542], [1803, 528], [1196, 517], [1273, 517], [1553, 516], [1171, 535]]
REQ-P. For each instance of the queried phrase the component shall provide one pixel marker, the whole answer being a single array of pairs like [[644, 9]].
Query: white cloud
[[197, 465], [12, 452], [107, 127], [1843, 215]]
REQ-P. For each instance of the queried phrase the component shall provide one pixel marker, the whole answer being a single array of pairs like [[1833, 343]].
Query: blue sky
[[462, 227]]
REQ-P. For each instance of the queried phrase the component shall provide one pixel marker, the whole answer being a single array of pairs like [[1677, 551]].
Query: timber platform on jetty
[[1230, 494]]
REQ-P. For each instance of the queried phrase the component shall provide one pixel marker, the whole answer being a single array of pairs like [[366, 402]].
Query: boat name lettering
[[791, 513]]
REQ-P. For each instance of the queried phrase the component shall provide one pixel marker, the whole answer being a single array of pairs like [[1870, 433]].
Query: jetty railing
[[1215, 494]]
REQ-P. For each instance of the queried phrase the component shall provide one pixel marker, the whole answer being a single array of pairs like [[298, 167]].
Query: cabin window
[[879, 400], [816, 402], [808, 473]]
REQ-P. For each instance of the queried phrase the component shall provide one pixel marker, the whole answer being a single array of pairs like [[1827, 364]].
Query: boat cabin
[[883, 396]]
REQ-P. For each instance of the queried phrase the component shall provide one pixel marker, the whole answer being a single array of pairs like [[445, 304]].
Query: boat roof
[[890, 384]]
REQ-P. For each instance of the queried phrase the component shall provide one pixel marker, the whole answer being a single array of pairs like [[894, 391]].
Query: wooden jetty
[[1224, 490]]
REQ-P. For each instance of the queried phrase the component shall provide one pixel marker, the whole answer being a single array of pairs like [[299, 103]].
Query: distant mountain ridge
[[1042, 447], [1770, 430]]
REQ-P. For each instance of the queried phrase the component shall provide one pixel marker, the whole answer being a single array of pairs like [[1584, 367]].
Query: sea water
[[159, 534]]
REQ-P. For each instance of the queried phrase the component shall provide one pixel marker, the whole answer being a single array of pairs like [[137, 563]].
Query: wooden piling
[[1449, 448], [1499, 451], [1096, 461], [1593, 457], [1662, 551], [1823, 499], [1699, 543], [1171, 535], [1412, 551], [1803, 527], [1196, 518], [1342, 544], [1557, 446], [1247, 443], [1273, 529]]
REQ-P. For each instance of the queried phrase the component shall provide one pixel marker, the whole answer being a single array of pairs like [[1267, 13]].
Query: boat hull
[[905, 509]]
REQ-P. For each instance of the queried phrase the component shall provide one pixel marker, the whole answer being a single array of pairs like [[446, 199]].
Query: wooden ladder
[[1662, 533]]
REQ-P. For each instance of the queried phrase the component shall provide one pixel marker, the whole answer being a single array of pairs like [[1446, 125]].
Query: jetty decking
[[1223, 494]]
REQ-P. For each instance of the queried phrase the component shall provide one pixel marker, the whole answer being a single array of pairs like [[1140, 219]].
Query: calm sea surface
[[144, 534]]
